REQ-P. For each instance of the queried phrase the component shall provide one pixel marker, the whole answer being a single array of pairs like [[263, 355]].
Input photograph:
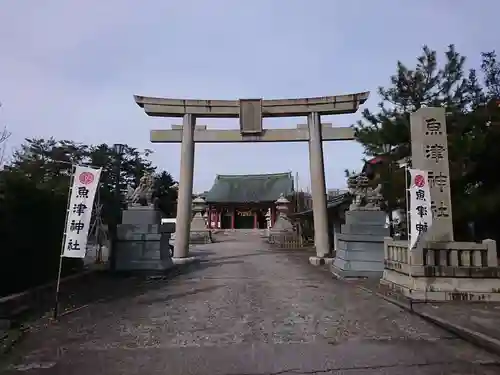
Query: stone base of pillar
[[443, 271], [443, 289], [187, 260], [318, 261]]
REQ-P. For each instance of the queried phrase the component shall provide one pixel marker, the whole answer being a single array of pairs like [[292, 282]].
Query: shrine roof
[[333, 203], [250, 188]]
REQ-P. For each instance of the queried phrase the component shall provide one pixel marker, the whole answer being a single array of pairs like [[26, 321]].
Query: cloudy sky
[[69, 68]]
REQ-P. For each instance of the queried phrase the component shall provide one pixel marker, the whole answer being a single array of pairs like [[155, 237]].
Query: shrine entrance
[[244, 219], [250, 113]]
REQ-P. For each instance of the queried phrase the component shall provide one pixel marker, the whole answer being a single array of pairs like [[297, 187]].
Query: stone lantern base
[[199, 233]]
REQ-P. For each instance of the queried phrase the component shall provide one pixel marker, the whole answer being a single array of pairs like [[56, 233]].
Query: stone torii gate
[[250, 113]]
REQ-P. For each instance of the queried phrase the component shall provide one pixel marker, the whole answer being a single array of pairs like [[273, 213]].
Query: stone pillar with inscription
[[429, 152]]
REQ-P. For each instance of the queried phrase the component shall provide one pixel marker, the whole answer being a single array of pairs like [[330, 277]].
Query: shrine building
[[242, 201]]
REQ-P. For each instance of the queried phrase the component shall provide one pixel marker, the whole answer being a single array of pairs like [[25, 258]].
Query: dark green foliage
[[33, 198], [473, 121], [166, 192]]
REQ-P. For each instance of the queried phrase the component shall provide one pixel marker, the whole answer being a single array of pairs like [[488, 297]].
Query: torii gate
[[250, 113]]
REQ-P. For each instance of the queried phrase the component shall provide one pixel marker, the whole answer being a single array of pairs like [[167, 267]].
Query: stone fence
[[443, 270], [441, 259]]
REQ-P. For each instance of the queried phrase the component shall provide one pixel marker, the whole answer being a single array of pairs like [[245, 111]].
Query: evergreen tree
[[34, 190], [472, 113]]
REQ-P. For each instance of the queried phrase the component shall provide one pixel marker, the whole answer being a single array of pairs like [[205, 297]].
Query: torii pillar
[[251, 113]]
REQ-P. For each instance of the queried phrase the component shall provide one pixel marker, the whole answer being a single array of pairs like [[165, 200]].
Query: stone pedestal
[[140, 244], [360, 245]]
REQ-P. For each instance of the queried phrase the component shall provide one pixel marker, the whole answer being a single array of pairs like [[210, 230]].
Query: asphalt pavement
[[246, 309]]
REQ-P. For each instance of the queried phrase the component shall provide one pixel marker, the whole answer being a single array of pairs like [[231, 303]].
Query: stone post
[[319, 201], [181, 248], [429, 152]]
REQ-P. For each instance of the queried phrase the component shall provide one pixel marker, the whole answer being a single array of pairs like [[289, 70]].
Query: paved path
[[247, 310]]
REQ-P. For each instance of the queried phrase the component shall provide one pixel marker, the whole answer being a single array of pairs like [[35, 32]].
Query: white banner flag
[[420, 206], [80, 203]]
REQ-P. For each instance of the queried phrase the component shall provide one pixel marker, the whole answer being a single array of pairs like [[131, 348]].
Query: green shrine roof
[[333, 203], [250, 188]]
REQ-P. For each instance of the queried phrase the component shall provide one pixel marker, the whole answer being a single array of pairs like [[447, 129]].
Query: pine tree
[[472, 113]]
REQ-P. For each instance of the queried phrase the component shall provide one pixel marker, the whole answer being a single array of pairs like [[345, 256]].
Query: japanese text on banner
[[420, 206], [85, 183]]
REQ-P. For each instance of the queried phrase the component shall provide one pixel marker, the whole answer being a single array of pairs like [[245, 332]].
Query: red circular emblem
[[86, 178], [419, 180]]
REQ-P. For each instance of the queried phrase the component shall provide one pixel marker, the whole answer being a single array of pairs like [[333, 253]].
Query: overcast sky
[[69, 68]]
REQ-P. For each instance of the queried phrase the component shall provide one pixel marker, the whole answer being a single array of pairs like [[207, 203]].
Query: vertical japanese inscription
[[420, 206], [76, 225], [430, 153], [85, 183]]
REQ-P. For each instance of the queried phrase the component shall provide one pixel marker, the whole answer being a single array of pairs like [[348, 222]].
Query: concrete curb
[[478, 339]]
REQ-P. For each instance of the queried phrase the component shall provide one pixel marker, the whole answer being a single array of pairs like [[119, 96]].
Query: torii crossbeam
[[250, 113]]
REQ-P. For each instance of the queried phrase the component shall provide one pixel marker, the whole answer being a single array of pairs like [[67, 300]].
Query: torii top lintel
[[326, 105]]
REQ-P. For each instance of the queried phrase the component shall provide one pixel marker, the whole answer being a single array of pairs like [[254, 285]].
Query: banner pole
[[59, 272], [408, 216], [407, 201]]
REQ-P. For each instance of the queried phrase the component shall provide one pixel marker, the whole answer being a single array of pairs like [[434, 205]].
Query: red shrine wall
[[240, 216]]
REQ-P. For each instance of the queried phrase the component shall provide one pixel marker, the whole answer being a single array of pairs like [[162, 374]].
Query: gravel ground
[[246, 309]]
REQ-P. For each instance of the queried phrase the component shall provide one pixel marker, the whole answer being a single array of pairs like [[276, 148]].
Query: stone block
[[365, 217], [317, 261], [368, 229], [126, 230], [152, 237], [329, 261], [141, 215], [350, 274], [141, 247], [370, 243], [369, 256], [185, 261]]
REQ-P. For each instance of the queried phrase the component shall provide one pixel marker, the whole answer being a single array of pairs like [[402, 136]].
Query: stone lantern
[[199, 231], [282, 223], [282, 205], [199, 205], [198, 222]]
